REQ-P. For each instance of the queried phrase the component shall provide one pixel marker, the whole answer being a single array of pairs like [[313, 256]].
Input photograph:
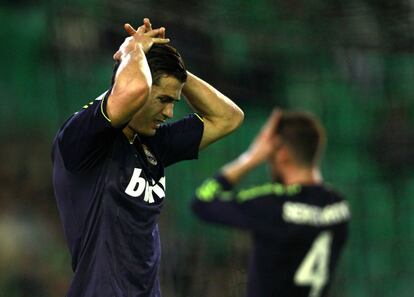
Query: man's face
[[158, 107]]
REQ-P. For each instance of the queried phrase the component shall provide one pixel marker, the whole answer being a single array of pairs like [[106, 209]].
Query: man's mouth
[[158, 123]]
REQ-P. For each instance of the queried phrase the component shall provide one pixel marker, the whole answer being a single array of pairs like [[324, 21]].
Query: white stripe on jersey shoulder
[[102, 99], [201, 119], [102, 96]]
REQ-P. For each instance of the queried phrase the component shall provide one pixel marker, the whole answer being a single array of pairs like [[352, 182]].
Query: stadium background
[[351, 62]]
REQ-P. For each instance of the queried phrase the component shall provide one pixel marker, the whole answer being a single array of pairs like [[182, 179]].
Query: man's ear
[[283, 155]]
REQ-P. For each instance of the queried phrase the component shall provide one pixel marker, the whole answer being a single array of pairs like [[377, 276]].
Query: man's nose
[[168, 110]]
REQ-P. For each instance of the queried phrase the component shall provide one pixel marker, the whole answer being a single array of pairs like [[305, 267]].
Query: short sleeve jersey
[[110, 193], [298, 233]]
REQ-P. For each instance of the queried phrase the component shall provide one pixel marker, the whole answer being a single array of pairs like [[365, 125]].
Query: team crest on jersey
[[150, 157]]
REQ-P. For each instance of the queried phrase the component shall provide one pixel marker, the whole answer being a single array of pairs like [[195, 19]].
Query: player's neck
[[129, 134], [302, 176]]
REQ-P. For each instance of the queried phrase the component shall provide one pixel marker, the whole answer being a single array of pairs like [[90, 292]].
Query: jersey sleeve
[[251, 209], [84, 137], [179, 140]]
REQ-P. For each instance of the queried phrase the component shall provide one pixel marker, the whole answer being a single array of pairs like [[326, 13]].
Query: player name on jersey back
[[305, 214]]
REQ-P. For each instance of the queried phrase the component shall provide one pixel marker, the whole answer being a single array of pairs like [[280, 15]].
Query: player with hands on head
[[109, 160], [260, 150], [298, 224], [220, 114], [133, 80]]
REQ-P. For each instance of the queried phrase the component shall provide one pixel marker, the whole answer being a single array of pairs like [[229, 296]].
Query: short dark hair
[[164, 59], [304, 135]]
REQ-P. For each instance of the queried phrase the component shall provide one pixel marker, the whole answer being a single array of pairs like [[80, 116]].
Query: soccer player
[[109, 160], [298, 224]]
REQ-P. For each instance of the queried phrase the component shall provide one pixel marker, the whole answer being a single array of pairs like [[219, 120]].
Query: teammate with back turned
[[298, 224], [109, 160]]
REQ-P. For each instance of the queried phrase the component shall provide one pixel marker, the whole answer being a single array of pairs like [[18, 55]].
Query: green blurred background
[[350, 62]]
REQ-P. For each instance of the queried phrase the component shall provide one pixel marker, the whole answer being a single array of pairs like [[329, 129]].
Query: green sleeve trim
[[101, 107], [211, 189], [267, 189], [87, 105], [226, 196], [208, 190]]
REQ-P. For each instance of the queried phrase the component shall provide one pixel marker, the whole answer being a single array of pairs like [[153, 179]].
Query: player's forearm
[[131, 87], [214, 106], [237, 169]]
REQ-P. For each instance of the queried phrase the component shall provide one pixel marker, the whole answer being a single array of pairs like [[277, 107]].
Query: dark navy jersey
[[110, 193], [298, 233]]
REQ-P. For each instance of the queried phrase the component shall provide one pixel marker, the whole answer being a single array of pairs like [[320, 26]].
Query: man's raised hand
[[143, 37], [145, 27], [264, 145]]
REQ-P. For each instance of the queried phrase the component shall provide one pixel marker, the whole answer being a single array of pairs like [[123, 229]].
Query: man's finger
[[129, 29], [141, 29], [162, 33], [147, 24], [160, 40], [272, 120], [277, 116], [117, 56], [157, 32]]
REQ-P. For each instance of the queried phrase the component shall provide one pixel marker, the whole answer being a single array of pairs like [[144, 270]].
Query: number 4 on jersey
[[314, 269]]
